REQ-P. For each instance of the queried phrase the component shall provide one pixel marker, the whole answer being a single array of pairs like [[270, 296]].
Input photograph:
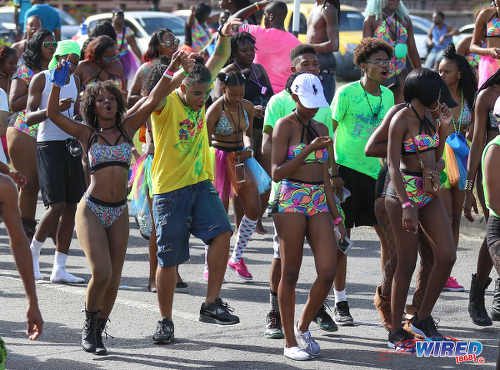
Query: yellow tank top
[[182, 152]]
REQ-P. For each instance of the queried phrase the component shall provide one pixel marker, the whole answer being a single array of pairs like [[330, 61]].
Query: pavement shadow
[[16, 361]]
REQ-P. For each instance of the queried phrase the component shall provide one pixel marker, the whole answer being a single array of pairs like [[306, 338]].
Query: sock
[[35, 248], [340, 295], [206, 257], [245, 231], [273, 299], [60, 261]]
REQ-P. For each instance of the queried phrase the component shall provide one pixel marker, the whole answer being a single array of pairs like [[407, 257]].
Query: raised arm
[[250, 10], [171, 79], [73, 128], [377, 143], [330, 15], [222, 48]]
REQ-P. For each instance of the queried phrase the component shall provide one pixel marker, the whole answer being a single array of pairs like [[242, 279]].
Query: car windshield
[[153, 24], [351, 21]]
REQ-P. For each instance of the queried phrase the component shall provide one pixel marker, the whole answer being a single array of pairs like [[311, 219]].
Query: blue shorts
[[195, 209]]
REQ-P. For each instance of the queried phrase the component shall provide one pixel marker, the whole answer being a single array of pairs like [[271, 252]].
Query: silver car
[[143, 24]]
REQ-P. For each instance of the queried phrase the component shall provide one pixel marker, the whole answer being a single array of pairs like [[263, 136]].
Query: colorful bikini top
[[465, 118], [225, 128], [423, 141], [105, 155], [392, 31], [493, 27], [318, 156]]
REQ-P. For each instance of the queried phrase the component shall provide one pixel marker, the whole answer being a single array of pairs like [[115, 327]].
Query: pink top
[[273, 52]]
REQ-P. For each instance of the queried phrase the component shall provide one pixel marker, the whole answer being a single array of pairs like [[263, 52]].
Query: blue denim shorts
[[195, 209]]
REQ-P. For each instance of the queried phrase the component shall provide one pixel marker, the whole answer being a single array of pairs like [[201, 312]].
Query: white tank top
[[47, 130]]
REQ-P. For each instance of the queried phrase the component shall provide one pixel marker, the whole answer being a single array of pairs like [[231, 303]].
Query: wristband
[[469, 185], [337, 220], [168, 74], [407, 205]]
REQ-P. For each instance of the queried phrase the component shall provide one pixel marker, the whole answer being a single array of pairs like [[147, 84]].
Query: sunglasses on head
[[49, 44]]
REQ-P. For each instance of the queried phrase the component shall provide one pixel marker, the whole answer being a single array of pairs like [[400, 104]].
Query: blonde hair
[[375, 8]]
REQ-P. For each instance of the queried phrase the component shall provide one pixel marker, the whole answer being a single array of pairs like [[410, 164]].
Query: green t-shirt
[[495, 141], [282, 104], [358, 114]]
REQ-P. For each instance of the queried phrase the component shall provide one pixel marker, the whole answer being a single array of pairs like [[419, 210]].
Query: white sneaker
[[307, 342], [36, 264], [296, 353], [61, 276]]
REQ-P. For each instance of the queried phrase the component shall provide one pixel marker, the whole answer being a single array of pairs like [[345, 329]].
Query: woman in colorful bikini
[[21, 139], [486, 127], [125, 38], [305, 207], [162, 45], [388, 20], [486, 41], [229, 124], [101, 217], [101, 64], [415, 147], [460, 79]]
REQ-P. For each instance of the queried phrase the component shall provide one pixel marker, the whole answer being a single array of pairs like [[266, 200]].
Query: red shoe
[[240, 269], [452, 285]]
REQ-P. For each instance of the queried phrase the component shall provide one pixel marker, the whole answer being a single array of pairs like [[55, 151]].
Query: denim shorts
[[195, 209]]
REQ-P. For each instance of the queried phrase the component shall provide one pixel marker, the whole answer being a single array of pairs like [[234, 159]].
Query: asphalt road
[[243, 346]]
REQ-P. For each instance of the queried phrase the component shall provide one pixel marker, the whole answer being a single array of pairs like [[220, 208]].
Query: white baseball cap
[[309, 90]]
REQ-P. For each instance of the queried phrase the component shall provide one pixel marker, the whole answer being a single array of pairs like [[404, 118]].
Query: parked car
[[463, 32], [69, 26], [142, 23]]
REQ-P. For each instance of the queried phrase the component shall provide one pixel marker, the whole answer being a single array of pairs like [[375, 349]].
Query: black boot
[[495, 307], [89, 331], [100, 329], [477, 311]]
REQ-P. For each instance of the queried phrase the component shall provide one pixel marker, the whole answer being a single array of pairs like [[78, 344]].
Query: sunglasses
[[381, 63], [170, 43], [49, 44], [110, 59]]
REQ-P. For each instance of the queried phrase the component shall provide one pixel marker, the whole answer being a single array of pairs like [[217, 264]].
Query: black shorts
[[493, 231], [60, 174], [359, 207]]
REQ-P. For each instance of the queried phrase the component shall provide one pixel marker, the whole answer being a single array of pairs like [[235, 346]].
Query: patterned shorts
[[298, 197]]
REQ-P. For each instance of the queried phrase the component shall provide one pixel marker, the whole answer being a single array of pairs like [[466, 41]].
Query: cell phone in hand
[[345, 245]]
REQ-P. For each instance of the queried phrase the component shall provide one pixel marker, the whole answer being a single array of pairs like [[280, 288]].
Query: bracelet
[[168, 74], [407, 205], [337, 220], [469, 185]]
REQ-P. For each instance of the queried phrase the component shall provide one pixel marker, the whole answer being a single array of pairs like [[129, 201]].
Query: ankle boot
[[495, 307], [100, 329], [89, 331], [383, 306], [477, 311]]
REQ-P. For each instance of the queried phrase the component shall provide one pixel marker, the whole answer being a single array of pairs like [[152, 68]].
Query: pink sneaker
[[452, 285], [240, 269]]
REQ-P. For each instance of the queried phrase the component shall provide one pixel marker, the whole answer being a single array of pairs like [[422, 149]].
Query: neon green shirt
[[282, 104], [358, 114]]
